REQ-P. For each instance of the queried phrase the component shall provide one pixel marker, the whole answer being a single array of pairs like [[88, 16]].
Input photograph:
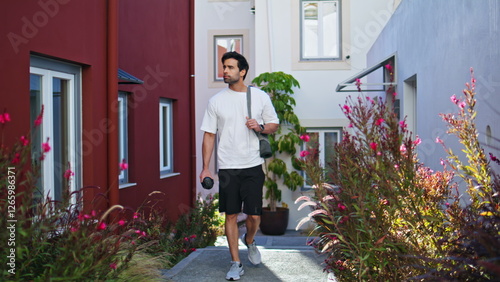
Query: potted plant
[[284, 143]]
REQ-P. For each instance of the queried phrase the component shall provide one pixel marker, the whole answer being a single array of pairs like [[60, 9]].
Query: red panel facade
[[153, 44], [154, 40]]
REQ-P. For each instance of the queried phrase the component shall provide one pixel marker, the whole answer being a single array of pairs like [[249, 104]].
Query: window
[[320, 30], [56, 86], [223, 44], [166, 137], [123, 136], [410, 103], [321, 145]]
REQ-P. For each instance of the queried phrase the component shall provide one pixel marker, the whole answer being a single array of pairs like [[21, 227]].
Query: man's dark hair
[[242, 62]]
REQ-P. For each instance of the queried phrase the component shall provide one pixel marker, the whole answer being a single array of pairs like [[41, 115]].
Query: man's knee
[[253, 217], [231, 218]]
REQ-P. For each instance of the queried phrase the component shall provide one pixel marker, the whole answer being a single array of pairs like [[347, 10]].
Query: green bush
[[49, 241]]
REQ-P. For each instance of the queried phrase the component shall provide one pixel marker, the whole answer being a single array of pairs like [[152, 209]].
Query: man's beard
[[231, 81]]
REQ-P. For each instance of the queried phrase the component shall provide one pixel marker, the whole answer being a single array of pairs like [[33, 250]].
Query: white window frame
[[320, 33], [73, 127], [342, 63], [123, 136], [321, 136], [212, 51], [166, 128], [217, 63]]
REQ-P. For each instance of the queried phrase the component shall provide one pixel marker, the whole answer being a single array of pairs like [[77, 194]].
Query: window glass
[[166, 136], [321, 147], [123, 136], [320, 35], [54, 86], [225, 44]]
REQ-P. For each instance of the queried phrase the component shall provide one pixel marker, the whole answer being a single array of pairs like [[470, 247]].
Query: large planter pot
[[274, 223]]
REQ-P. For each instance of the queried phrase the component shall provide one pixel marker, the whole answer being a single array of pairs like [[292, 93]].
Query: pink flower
[[73, 229], [193, 249], [438, 140], [493, 158], [373, 145], [121, 222], [379, 121], [389, 68], [192, 236], [184, 251], [137, 231], [46, 146], [402, 124], [24, 141], [417, 141], [5, 117], [123, 165], [136, 215], [402, 148], [454, 99], [341, 207], [394, 94], [345, 218], [68, 174], [350, 125], [305, 137], [113, 265], [304, 153], [16, 159], [358, 84], [347, 109], [101, 226], [39, 118], [461, 105], [93, 213]]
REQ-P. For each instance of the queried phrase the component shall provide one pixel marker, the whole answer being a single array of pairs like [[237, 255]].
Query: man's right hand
[[205, 173]]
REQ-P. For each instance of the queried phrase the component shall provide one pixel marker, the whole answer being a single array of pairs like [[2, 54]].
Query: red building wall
[[152, 35], [155, 39], [71, 31]]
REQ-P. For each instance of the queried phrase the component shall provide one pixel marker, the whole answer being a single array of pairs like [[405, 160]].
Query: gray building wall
[[438, 42]]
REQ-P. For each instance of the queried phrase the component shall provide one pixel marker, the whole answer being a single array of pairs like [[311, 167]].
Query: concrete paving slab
[[284, 258]]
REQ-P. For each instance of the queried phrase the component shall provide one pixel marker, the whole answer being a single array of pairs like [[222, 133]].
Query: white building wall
[[438, 43], [274, 44]]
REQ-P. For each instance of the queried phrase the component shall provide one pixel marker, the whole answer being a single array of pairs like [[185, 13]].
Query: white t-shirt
[[238, 146]]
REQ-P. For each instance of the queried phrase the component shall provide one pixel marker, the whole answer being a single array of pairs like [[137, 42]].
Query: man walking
[[241, 177]]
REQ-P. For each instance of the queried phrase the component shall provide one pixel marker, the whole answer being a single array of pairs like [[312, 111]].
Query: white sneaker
[[253, 252], [235, 271]]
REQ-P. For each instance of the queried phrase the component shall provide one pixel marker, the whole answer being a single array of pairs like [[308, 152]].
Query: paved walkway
[[284, 258]]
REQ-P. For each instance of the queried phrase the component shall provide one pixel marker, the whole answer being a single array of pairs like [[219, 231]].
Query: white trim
[[350, 82], [244, 33], [167, 175], [48, 130], [166, 104], [343, 62], [321, 146], [126, 185]]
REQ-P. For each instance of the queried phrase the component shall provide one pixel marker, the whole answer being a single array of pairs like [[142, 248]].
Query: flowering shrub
[[49, 240], [383, 216], [473, 252]]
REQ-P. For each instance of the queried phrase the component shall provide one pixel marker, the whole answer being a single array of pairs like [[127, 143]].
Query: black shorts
[[241, 186]]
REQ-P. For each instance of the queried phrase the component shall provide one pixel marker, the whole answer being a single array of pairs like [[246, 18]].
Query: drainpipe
[[112, 97], [192, 105]]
